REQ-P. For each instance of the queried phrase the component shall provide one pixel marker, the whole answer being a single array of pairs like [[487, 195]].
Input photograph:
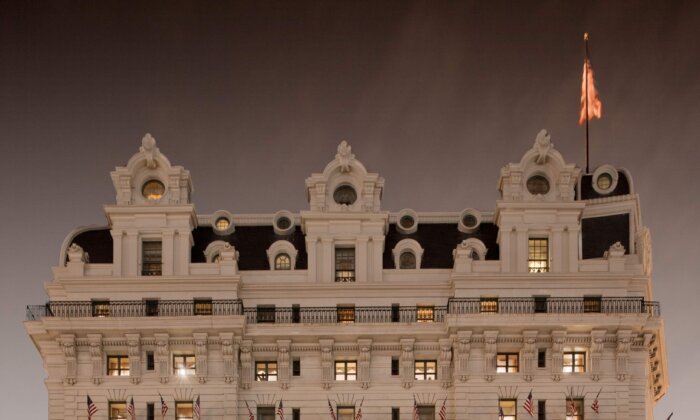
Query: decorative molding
[[96, 357], [134, 345], [67, 343], [407, 361], [364, 362]]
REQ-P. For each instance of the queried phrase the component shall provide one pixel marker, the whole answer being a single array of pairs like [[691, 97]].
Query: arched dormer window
[[282, 256], [407, 260], [213, 251], [407, 254], [283, 262]]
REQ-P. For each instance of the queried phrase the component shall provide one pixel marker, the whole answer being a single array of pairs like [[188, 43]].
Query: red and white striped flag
[[163, 407], [572, 407], [415, 408], [280, 411], [131, 409], [501, 415], [595, 406], [330, 408], [91, 408], [443, 410], [590, 102], [250, 413], [197, 409], [528, 404], [359, 410]]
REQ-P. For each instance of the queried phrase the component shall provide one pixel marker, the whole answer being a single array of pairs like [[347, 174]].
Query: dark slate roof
[[598, 233], [97, 243], [587, 192], [438, 240], [251, 242]]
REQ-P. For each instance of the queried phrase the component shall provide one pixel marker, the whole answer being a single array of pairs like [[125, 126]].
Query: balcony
[[555, 305], [344, 315]]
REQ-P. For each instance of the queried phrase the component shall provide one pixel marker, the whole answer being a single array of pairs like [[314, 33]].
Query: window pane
[[538, 255], [151, 258], [346, 413], [345, 264], [283, 262], [183, 410]]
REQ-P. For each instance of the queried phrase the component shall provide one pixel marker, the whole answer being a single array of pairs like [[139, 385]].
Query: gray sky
[[252, 97]]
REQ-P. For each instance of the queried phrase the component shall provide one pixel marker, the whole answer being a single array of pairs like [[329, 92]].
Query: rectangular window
[[266, 413], [346, 314], [507, 362], [541, 410], [150, 411], [425, 313], [184, 364], [426, 412], [425, 370], [150, 361], [346, 370], [488, 305], [183, 411], [100, 308], [574, 409], [296, 414], [296, 314], [151, 258], [346, 413], [203, 307], [541, 358], [592, 303], [540, 304], [151, 307], [395, 413], [266, 371], [574, 361], [117, 410], [296, 367], [118, 365], [345, 264], [266, 314], [509, 408], [395, 312], [538, 255], [394, 366]]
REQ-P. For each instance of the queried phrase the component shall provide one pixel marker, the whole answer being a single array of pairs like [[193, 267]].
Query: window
[[184, 364], [394, 366], [296, 414], [540, 304], [150, 411], [346, 413], [395, 312], [283, 262], [296, 314], [222, 223], [265, 314], [538, 255], [592, 303], [266, 371], [345, 264], [266, 413], [118, 365], [117, 410], [541, 358], [345, 314], [395, 413], [507, 363], [183, 411], [407, 260], [296, 367], [346, 370], [151, 307], [538, 184], [574, 409], [425, 313], [509, 408], [574, 361], [150, 361], [203, 307], [426, 412], [541, 410], [153, 190], [152, 258], [344, 194], [488, 305], [100, 308], [425, 370]]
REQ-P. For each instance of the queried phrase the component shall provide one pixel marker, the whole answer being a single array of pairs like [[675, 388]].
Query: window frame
[[119, 370], [345, 314], [345, 410], [265, 314], [202, 307], [151, 267], [573, 365], [425, 313], [281, 265], [509, 415], [345, 375], [425, 375], [507, 366], [100, 308], [345, 259], [263, 369], [112, 404], [426, 411], [488, 305], [579, 409], [183, 369], [536, 263], [183, 404]]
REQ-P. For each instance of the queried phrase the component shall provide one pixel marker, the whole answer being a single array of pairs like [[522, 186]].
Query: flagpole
[[586, 65]]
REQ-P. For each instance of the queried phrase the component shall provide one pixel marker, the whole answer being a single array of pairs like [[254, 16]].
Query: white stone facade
[[208, 299]]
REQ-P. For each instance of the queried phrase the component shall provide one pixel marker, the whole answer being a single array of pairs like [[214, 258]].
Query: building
[[353, 307]]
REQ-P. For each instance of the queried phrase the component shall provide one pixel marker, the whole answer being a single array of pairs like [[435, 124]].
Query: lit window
[[574, 361], [346, 370], [266, 413], [100, 308], [153, 190], [346, 314], [222, 223], [574, 409], [117, 410], [425, 313], [407, 260], [488, 305], [118, 365], [283, 262], [203, 307], [151, 258], [183, 411], [507, 363], [346, 413], [266, 371], [184, 364], [345, 264], [425, 370], [538, 255], [508, 409]]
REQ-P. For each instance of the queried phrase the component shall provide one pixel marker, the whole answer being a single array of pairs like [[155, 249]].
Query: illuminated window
[[574, 361], [222, 223], [153, 190], [266, 371], [574, 409], [151, 258], [488, 305], [118, 365], [425, 313], [345, 264], [538, 255], [425, 370], [346, 370], [507, 363], [346, 314], [184, 364], [203, 307], [508, 409], [117, 410], [283, 262], [407, 260], [183, 411], [100, 308], [346, 413]]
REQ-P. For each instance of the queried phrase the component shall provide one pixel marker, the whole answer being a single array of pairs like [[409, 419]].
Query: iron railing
[[557, 305], [127, 309], [344, 314]]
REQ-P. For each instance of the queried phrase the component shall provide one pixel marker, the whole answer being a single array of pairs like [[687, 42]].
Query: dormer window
[[152, 258], [222, 223], [283, 262], [345, 194], [407, 260], [153, 190]]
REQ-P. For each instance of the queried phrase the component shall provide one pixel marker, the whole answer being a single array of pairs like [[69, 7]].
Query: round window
[[283, 223], [345, 194], [222, 223], [469, 220], [153, 190], [407, 222], [604, 181], [537, 184]]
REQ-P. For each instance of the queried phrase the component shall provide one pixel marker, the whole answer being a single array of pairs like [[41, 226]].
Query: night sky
[[252, 97]]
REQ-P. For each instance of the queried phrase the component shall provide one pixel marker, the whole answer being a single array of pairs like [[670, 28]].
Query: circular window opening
[[407, 260], [538, 184], [153, 190], [469, 220], [345, 194], [604, 181], [283, 223], [222, 223], [407, 222]]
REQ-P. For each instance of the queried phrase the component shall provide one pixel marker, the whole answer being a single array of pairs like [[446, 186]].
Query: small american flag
[[528, 404], [91, 408], [163, 407], [415, 409], [131, 409], [197, 409], [280, 411], [500, 413], [250, 413], [359, 411], [669, 416], [443, 410], [572, 407], [595, 406], [330, 408]]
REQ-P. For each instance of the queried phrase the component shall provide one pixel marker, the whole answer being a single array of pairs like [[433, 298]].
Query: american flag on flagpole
[[415, 408], [359, 411], [443, 410], [572, 407], [501, 416], [131, 409], [595, 406], [528, 404], [280, 411], [330, 408], [197, 409], [163, 407], [91, 408], [250, 413]]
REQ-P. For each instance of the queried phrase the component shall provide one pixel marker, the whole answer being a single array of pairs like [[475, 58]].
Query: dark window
[[345, 314], [151, 307], [394, 366], [266, 314], [117, 410], [489, 305], [184, 364], [345, 194], [574, 361], [508, 409], [541, 410], [345, 264], [183, 411], [407, 260], [266, 413], [296, 314], [150, 411], [296, 367], [538, 255], [537, 184], [346, 370], [266, 371], [540, 304], [100, 308], [151, 258], [150, 361], [507, 363], [203, 307], [395, 413], [425, 370], [118, 365], [426, 412], [395, 312], [541, 358], [425, 313], [592, 303], [296, 414]]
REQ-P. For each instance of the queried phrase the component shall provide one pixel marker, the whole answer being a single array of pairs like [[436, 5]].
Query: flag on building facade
[[572, 406], [163, 407], [443, 410], [280, 410], [528, 404], [250, 413], [501, 416], [669, 416], [590, 101], [131, 409], [197, 409], [359, 411], [91, 408], [330, 408], [415, 409], [595, 406]]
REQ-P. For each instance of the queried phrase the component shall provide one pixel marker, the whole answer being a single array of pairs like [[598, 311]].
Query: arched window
[[283, 262], [407, 260]]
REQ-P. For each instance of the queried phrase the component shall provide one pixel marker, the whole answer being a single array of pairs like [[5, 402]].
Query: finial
[[344, 156], [148, 142], [585, 36]]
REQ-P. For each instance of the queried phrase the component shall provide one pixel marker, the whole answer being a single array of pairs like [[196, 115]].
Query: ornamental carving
[[283, 371], [67, 343], [364, 359], [133, 342], [407, 363], [622, 354], [490, 349], [558, 338], [162, 357], [95, 343], [246, 374], [227, 354], [529, 354], [597, 344], [464, 347], [201, 357], [445, 363], [643, 248], [326, 347]]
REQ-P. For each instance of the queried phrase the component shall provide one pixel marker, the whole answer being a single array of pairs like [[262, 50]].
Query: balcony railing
[[557, 305], [128, 309], [344, 315]]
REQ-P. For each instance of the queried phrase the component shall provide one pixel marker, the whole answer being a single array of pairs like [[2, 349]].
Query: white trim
[[282, 247], [410, 245]]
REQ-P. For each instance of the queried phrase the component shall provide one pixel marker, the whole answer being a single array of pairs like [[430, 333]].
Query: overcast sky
[[252, 97]]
